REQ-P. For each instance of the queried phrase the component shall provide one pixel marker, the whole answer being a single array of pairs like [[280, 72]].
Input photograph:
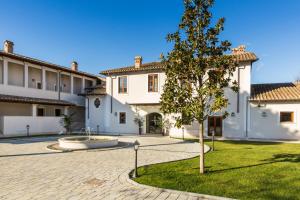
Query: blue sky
[[106, 34]]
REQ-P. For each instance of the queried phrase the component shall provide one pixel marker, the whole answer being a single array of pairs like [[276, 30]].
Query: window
[[122, 118], [57, 112], [123, 84], [286, 116], [152, 83], [40, 112]]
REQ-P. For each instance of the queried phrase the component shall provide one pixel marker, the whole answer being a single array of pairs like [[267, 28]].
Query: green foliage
[[139, 121], [240, 170], [165, 125], [197, 68], [67, 122]]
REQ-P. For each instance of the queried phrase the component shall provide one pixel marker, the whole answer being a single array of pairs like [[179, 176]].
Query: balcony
[[34, 78], [65, 85], [51, 81]]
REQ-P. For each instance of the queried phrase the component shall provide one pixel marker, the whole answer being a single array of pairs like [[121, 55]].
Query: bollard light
[[27, 128], [213, 140], [136, 146], [97, 129]]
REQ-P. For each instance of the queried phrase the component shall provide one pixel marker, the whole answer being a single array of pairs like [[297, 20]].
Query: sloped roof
[[153, 66], [31, 100], [275, 92], [44, 63]]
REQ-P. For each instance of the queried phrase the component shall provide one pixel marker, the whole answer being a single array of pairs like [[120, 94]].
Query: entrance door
[[215, 124], [153, 123]]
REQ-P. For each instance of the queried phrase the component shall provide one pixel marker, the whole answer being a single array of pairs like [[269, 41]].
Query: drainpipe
[[238, 93], [88, 107], [111, 94], [247, 111], [59, 85]]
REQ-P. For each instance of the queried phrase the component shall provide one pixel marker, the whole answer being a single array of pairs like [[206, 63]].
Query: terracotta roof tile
[[275, 92], [43, 63], [31, 100], [153, 66]]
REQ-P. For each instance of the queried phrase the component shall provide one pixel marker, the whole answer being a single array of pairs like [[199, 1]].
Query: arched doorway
[[153, 123]]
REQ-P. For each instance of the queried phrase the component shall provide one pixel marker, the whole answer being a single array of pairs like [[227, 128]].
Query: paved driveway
[[29, 171]]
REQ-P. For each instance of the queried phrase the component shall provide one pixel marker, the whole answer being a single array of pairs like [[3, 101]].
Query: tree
[[197, 69]]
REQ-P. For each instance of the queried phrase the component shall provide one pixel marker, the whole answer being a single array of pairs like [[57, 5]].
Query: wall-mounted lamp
[[264, 114]]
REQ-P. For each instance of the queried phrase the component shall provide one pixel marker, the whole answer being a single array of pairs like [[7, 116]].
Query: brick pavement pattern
[[29, 171]]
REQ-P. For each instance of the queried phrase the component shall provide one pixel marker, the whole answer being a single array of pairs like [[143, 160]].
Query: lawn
[[242, 170]]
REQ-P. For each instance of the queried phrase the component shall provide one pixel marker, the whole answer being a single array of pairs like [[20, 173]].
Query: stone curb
[[190, 194], [126, 177]]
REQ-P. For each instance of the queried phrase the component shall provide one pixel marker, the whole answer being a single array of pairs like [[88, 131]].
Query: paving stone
[[29, 171]]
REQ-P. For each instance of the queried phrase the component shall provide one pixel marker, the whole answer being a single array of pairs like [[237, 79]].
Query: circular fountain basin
[[85, 142]]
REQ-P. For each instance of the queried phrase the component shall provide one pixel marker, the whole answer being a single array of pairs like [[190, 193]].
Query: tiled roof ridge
[[49, 64], [240, 57], [284, 91]]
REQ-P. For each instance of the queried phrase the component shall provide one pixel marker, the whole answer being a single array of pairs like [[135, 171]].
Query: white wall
[[269, 127], [137, 88], [14, 82], [233, 126], [137, 93], [38, 125]]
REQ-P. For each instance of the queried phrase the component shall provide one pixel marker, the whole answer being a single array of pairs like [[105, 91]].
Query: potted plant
[[165, 125], [139, 121], [67, 121]]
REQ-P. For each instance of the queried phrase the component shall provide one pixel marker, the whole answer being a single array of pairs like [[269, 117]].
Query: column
[[44, 82], [5, 71], [26, 75], [72, 83], [34, 110], [83, 84]]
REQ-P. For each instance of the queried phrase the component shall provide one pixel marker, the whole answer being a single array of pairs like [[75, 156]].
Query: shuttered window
[[152, 83], [286, 116], [123, 84]]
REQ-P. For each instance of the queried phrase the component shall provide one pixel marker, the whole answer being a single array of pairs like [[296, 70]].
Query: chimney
[[239, 50], [138, 61], [74, 66], [8, 46]]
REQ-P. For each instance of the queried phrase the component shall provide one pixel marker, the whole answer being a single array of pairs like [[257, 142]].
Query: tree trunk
[[201, 142]]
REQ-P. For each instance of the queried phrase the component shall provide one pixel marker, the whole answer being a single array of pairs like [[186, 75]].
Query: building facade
[[259, 111], [35, 94]]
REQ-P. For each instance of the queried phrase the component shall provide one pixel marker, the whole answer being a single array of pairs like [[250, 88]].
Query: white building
[[34, 94], [268, 111], [30, 96]]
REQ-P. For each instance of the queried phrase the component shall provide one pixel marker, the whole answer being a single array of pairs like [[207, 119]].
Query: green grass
[[243, 170]]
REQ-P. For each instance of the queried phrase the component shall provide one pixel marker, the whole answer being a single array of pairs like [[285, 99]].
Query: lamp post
[[136, 148], [27, 128], [213, 140]]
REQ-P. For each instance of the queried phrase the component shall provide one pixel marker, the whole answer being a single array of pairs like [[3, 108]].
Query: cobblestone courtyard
[[30, 171]]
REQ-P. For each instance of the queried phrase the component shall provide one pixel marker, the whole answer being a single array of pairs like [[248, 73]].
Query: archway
[[153, 123]]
